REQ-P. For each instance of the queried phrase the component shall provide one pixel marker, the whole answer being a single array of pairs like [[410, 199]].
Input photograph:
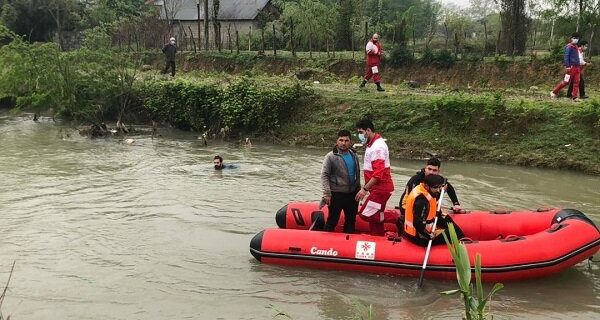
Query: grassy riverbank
[[457, 125]]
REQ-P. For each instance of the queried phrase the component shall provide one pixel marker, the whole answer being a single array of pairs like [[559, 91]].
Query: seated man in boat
[[421, 206], [340, 177], [432, 167]]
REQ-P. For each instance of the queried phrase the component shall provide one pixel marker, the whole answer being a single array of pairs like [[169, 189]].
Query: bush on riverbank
[[243, 105], [95, 85]]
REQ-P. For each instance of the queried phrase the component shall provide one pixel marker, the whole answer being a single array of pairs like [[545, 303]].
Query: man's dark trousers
[[342, 201]]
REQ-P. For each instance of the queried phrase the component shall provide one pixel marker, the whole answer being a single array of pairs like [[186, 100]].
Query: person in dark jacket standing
[[432, 167], [340, 177], [170, 49]]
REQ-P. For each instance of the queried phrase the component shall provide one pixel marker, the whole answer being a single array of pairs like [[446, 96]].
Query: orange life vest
[[409, 216]]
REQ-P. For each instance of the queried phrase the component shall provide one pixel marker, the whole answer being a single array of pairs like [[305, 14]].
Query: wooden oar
[[439, 207]]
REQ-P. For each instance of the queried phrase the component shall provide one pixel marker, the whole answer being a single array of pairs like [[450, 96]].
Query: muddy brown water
[[104, 230]]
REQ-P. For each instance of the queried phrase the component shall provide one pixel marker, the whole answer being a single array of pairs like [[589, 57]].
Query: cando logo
[[323, 252]]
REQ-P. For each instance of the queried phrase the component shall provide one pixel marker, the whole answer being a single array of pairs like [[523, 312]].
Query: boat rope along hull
[[533, 245]]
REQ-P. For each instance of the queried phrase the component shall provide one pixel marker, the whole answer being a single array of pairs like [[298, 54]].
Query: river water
[[104, 230]]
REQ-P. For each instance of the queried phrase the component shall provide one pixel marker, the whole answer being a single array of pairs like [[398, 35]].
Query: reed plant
[[474, 300]]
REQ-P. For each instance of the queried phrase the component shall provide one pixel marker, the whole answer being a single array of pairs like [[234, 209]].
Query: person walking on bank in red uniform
[[378, 179], [374, 53], [573, 69]]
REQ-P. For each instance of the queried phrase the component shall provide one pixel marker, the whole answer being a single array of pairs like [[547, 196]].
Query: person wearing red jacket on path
[[378, 179], [374, 53], [573, 69]]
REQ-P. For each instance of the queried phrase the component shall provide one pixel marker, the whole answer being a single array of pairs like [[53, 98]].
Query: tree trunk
[[167, 16], [274, 42], [447, 35], [534, 36], [333, 47], [237, 41], [414, 40], [229, 38], [262, 39], [199, 26], [292, 37], [551, 41], [456, 45], [485, 32], [327, 46], [590, 42], [352, 43], [366, 37], [250, 39], [310, 41], [579, 15], [192, 36], [498, 41], [206, 30]]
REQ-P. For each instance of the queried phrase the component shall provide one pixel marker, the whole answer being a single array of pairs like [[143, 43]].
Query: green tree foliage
[[514, 25], [343, 25], [37, 20], [107, 11], [313, 22]]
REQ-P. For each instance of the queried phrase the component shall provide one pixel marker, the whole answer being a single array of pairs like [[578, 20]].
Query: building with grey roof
[[234, 15]]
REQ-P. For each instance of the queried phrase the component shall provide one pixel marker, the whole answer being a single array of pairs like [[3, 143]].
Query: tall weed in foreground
[[474, 300]]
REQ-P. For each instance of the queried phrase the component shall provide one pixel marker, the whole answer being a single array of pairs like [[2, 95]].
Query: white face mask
[[574, 40], [362, 138]]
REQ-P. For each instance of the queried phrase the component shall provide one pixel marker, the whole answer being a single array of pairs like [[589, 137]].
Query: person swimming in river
[[219, 165]]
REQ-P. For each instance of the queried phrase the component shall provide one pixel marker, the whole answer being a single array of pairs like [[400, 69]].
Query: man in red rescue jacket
[[374, 53], [378, 179]]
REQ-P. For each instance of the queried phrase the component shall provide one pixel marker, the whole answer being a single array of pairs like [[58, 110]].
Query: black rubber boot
[[379, 88], [362, 85], [400, 225]]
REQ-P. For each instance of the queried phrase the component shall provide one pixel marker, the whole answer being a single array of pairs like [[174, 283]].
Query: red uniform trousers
[[376, 220], [369, 74], [575, 74]]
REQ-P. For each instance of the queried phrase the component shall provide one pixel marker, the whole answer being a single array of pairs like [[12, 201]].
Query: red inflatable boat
[[513, 245]]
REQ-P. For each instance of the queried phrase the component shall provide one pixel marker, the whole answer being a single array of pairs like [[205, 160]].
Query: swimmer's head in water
[[218, 162]]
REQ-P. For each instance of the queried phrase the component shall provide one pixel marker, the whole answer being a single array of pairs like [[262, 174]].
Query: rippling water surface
[[104, 230]]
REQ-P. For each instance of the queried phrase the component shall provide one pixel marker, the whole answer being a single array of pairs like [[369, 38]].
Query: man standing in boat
[[340, 177], [421, 207], [378, 179], [432, 167]]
